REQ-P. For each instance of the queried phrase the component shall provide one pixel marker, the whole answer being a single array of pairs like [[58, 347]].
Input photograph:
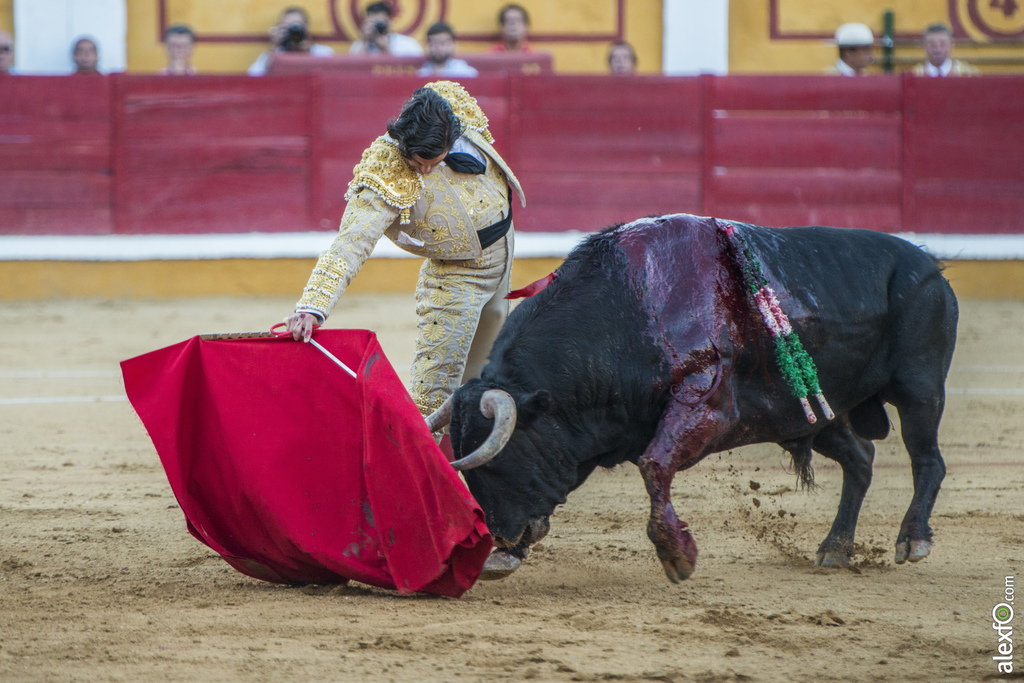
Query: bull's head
[[512, 470]]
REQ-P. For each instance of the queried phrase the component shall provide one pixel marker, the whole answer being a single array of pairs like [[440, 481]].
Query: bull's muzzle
[[496, 404]]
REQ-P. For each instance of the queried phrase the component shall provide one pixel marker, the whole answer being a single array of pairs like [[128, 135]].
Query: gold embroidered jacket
[[435, 216], [958, 68]]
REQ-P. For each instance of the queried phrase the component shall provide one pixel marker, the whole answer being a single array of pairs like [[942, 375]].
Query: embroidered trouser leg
[[461, 306]]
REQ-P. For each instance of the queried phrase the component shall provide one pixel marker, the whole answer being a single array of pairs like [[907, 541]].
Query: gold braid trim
[[383, 170], [323, 284], [464, 106]]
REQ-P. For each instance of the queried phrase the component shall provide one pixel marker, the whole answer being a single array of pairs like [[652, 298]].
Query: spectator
[[179, 40], [378, 38], [938, 44], [86, 56], [622, 58], [290, 35], [856, 50], [6, 53], [441, 51], [515, 25]]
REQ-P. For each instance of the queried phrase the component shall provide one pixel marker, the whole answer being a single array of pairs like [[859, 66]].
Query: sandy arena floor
[[100, 581]]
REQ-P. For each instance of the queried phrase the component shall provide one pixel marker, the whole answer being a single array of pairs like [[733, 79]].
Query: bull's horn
[[440, 418], [502, 407]]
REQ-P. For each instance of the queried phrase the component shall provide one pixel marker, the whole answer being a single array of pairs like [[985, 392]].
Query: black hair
[[441, 27], [847, 49], [621, 43], [180, 30], [379, 7], [938, 27], [296, 10], [426, 126], [512, 6]]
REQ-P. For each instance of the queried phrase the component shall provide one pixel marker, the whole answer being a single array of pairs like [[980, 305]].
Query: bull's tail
[[800, 451]]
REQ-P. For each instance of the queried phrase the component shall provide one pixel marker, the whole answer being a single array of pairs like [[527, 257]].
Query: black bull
[[648, 348]]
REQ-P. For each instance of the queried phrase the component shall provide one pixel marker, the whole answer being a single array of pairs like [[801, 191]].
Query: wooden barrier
[[145, 154], [216, 154], [55, 155], [805, 150], [529, 63], [964, 155]]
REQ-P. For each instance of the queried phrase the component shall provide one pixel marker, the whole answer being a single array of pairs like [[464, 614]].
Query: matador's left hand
[[301, 325]]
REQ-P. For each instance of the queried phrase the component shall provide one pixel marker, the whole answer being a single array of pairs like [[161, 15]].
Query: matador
[[437, 188]]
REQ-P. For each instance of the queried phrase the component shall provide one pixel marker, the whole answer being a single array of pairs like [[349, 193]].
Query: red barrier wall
[[964, 155], [143, 154], [805, 150], [55, 155]]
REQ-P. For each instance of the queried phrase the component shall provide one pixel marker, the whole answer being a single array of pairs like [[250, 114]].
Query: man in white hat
[[856, 45]]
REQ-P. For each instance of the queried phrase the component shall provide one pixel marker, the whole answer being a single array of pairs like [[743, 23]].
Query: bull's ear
[[530, 406]]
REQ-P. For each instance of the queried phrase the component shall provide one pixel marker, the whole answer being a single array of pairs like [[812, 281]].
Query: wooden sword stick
[[254, 335]]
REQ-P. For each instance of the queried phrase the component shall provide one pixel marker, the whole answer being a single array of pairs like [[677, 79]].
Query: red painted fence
[[141, 154]]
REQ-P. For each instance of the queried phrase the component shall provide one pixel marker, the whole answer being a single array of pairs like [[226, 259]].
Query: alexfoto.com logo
[[1002, 616]]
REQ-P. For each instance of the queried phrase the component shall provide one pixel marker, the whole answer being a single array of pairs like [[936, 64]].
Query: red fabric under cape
[[295, 472]]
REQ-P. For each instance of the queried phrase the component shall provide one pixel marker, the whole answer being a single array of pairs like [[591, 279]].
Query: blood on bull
[[667, 339]]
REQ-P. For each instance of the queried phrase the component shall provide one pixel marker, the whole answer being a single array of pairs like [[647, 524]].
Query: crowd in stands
[[855, 42]]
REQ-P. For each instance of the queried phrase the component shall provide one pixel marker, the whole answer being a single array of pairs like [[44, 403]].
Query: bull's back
[[868, 307], [859, 288]]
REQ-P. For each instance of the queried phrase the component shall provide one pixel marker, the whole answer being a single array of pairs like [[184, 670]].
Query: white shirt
[[844, 69], [457, 68], [398, 46], [940, 70], [464, 146], [259, 67]]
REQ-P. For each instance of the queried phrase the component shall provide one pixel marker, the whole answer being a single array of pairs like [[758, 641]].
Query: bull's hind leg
[[855, 455], [679, 443], [919, 421]]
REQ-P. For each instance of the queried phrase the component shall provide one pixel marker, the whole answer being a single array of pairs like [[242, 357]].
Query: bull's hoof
[[499, 564], [832, 559], [915, 551], [677, 569]]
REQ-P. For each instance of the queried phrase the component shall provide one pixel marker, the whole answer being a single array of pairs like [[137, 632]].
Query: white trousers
[[461, 306]]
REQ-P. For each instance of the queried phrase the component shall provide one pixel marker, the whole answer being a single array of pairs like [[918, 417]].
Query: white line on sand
[[983, 391], [56, 374], [73, 374], [987, 368], [48, 400], [45, 400]]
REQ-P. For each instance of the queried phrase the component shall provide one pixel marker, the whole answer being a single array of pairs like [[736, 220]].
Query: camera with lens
[[294, 36], [381, 28]]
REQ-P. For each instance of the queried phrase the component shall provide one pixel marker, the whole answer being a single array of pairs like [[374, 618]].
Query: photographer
[[291, 34], [378, 38]]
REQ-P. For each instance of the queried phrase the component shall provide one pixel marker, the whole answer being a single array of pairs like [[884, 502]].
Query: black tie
[[460, 162]]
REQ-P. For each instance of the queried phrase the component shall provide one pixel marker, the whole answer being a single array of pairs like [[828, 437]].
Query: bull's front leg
[[679, 443]]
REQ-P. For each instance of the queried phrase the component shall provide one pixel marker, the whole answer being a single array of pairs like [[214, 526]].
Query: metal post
[[888, 33]]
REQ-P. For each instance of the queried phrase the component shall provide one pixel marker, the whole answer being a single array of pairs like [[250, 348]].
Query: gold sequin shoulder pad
[[464, 106], [383, 170]]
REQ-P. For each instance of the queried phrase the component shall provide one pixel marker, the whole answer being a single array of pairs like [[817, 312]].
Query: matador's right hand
[[301, 325]]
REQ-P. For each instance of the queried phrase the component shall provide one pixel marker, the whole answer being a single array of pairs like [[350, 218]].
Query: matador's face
[[425, 166]]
